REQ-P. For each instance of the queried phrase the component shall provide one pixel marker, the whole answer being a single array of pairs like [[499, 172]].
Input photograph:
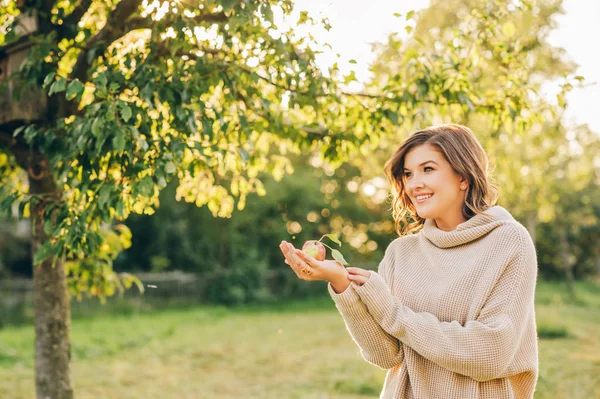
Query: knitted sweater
[[451, 314]]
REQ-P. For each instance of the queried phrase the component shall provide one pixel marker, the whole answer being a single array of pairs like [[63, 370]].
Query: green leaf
[[125, 112], [58, 86], [104, 196], [410, 14], [227, 5], [97, 127], [146, 186], [334, 238], [352, 61], [120, 208], [267, 12], [49, 79], [170, 167], [337, 255], [119, 141], [75, 90], [42, 253], [101, 80]]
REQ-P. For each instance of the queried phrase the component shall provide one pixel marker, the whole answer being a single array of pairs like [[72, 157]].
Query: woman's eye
[[426, 167]]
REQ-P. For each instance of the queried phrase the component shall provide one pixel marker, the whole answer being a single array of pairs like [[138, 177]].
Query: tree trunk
[[51, 301], [566, 256], [531, 225]]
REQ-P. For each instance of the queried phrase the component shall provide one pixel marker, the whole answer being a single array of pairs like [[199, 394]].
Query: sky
[[355, 24]]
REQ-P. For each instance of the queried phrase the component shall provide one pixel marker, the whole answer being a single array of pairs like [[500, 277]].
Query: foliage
[[213, 95], [94, 275]]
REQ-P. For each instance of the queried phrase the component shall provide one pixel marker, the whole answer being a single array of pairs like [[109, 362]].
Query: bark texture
[[51, 301]]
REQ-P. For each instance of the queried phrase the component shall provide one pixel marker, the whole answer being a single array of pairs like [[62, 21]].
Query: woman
[[450, 311]]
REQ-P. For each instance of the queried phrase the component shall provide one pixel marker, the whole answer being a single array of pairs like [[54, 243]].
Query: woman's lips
[[423, 200]]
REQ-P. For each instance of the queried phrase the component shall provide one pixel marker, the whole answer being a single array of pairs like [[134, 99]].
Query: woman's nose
[[412, 186]]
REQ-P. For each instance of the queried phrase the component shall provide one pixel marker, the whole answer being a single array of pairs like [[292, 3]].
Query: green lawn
[[298, 350]]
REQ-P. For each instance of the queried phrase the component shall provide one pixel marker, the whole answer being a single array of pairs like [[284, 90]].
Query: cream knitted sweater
[[451, 314]]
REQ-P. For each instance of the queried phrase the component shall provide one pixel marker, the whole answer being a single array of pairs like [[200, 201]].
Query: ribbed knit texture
[[451, 314]]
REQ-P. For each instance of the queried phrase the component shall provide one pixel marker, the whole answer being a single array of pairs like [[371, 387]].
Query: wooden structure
[[32, 104]]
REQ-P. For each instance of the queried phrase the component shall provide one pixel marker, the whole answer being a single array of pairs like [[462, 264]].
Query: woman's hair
[[466, 156]]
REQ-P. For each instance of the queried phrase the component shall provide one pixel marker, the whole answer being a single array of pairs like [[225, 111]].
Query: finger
[[360, 280], [289, 254], [358, 271], [307, 258], [300, 267], [285, 251], [284, 246], [294, 258]]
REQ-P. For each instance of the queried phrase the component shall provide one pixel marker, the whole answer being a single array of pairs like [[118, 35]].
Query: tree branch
[[116, 26]]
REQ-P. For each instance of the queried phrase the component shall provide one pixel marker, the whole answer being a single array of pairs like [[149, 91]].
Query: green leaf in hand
[[337, 255]]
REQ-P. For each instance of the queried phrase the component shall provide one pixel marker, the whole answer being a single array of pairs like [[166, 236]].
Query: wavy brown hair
[[461, 149]]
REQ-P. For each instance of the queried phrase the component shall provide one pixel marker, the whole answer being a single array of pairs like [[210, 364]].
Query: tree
[[132, 94], [530, 154]]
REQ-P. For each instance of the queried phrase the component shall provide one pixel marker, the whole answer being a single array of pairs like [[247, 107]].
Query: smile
[[423, 198]]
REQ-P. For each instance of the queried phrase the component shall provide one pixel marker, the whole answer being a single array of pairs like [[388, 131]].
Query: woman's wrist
[[340, 282]]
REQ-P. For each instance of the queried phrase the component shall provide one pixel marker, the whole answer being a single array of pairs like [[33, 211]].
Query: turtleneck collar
[[472, 229]]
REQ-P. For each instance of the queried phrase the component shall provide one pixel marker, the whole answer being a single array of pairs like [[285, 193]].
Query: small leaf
[[170, 167], [126, 112], [337, 255], [101, 80], [352, 61], [334, 238], [146, 186], [75, 90], [119, 141], [58, 86], [96, 126], [120, 208], [105, 192], [42, 253], [49, 79], [410, 14]]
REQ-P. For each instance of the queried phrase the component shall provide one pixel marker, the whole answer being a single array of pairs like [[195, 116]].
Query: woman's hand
[[308, 268], [358, 275]]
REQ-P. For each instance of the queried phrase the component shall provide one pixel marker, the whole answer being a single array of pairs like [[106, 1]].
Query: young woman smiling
[[450, 311]]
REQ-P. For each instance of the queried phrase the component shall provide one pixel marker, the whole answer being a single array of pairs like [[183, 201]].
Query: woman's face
[[427, 172]]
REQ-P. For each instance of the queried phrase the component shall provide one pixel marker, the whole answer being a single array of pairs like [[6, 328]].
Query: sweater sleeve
[[484, 348], [376, 346]]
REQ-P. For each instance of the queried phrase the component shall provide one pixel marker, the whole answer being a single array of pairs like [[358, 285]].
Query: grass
[[292, 350]]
